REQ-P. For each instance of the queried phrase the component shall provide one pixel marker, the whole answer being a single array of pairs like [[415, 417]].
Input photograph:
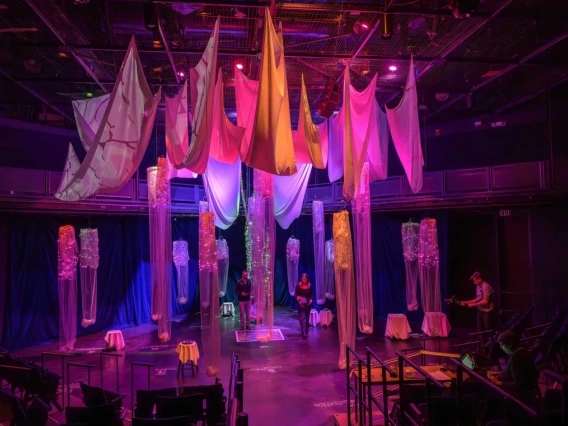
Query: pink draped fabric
[[318, 228], [363, 261], [159, 208], [115, 130], [271, 148], [89, 260], [67, 255], [405, 131], [289, 193], [410, 233], [202, 84], [246, 91], [209, 294], [323, 129]]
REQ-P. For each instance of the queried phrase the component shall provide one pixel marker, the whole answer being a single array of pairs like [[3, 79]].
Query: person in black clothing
[[303, 296], [243, 290]]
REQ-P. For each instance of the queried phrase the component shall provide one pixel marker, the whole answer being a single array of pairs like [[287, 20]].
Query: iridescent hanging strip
[[319, 247], [181, 259], [222, 265], [329, 270], [410, 232], [429, 266], [67, 256], [292, 257], [89, 259]]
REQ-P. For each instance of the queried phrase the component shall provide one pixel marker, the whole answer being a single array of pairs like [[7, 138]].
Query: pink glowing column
[[67, 257], [89, 264]]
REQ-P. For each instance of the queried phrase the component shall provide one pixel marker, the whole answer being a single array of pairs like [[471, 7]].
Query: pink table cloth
[[325, 317], [436, 324], [114, 338], [397, 327]]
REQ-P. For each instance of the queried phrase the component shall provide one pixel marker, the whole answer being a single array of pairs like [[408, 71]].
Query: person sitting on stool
[[243, 290], [483, 302], [303, 296]]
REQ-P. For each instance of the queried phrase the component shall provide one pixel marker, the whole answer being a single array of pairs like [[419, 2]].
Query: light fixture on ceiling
[[359, 27], [386, 26], [422, 108], [181, 74], [157, 41], [81, 1], [441, 96], [150, 15], [238, 14], [32, 66], [239, 66], [393, 68]]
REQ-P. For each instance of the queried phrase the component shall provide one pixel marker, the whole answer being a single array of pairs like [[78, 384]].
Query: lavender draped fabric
[[180, 255], [67, 255], [344, 284], [292, 257], [89, 260], [319, 239], [405, 131], [159, 208], [410, 232], [363, 261], [114, 149], [429, 266], [336, 138], [222, 265], [329, 270], [263, 250], [222, 186], [289, 193], [209, 294]]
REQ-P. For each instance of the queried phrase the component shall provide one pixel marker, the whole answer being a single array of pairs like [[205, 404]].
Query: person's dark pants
[[485, 320], [304, 317], [244, 311]]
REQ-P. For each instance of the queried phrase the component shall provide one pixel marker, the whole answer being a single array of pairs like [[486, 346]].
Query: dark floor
[[290, 382]]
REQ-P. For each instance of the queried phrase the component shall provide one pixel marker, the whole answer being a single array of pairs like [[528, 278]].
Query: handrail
[[132, 365], [385, 404], [61, 356], [116, 356], [419, 369], [383, 364], [73, 364], [357, 392], [481, 333], [554, 376], [461, 368]]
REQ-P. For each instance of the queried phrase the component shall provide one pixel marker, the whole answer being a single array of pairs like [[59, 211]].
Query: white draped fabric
[[271, 149], [222, 186], [202, 83], [405, 131], [410, 231], [329, 270], [363, 261], [115, 130], [318, 228], [292, 258], [289, 193], [246, 91], [429, 266]]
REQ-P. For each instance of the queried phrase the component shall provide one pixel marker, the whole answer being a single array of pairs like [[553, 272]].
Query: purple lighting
[[392, 68]]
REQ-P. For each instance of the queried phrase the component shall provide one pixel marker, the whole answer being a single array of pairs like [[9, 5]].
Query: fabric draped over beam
[[271, 148], [89, 261], [410, 231], [405, 130], [318, 227], [177, 139], [289, 193], [67, 256], [114, 149]]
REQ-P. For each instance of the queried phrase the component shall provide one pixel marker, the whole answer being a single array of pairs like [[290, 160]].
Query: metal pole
[[348, 386]]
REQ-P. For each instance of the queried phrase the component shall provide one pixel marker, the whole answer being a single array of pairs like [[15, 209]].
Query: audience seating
[[146, 400], [191, 406], [101, 415], [172, 421]]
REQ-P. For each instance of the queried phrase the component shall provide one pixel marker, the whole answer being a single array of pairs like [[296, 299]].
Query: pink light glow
[[365, 26], [239, 66], [181, 74], [392, 68]]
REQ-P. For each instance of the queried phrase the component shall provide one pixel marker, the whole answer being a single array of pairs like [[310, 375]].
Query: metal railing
[[358, 390], [384, 407]]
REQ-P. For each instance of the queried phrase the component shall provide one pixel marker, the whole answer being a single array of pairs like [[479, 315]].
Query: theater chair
[[146, 400], [94, 396], [102, 415], [214, 398], [36, 414], [170, 421], [190, 406]]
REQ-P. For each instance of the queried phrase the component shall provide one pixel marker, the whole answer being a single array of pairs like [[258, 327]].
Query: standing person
[[243, 290], [483, 302], [303, 296]]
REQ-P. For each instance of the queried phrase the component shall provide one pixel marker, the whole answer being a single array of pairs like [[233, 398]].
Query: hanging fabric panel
[[307, 144], [222, 186], [89, 261], [319, 239], [209, 294], [202, 84], [378, 146], [292, 257], [159, 208], [323, 129], [177, 140], [329, 270], [429, 266], [272, 148], [405, 131], [222, 265], [246, 91], [289, 193], [344, 284], [263, 251], [410, 233], [335, 151], [181, 259], [115, 130], [67, 255]]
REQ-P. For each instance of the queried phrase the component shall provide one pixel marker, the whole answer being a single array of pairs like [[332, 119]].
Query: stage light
[[393, 68], [240, 66], [365, 26], [386, 26], [89, 95], [181, 74]]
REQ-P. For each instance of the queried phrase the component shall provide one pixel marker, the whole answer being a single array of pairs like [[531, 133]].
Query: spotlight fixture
[[63, 54], [441, 96], [157, 41], [150, 15], [88, 94], [393, 68], [386, 26], [237, 13], [32, 66], [239, 66], [359, 27], [181, 74]]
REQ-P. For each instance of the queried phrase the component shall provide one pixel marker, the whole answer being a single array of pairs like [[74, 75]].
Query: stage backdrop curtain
[[289, 193], [114, 148], [405, 130]]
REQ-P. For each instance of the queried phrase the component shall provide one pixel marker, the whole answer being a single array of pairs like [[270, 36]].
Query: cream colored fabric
[[307, 145], [272, 149]]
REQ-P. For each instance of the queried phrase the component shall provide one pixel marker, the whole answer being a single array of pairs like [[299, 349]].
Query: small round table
[[314, 318], [114, 338], [188, 352], [325, 317]]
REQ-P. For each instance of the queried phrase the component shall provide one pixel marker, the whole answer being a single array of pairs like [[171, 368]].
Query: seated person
[[520, 376]]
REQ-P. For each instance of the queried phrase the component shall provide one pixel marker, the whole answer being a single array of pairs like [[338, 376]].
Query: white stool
[[228, 309], [114, 338], [314, 318]]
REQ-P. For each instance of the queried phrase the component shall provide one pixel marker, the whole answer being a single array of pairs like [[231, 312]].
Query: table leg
[[179, 365]]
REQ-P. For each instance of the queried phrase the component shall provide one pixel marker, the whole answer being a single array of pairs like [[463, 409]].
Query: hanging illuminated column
[[89, 260], [222, 265], [67, 287], [248, 233], [159, 209], [362, 228], [344, 284], [319, 247], [410, 251], [329, 270], [429, 266], [292, 257], [181, 259], [262, 253], [209, 294]]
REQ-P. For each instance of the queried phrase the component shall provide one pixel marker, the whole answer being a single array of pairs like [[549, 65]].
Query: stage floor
[[287, 382]]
